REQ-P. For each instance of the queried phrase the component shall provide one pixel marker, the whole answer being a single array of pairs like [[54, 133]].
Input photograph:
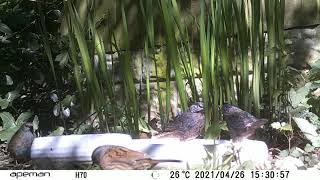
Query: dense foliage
[[52, 72]]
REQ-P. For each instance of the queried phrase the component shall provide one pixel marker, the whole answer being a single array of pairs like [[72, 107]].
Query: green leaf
[[306, 126], [12, 95], [145, 127], [56, 110], [276, 125], [82, 129], [299, 97], [314, 74], [284, 153], [286, 127], [247, 165], [23, 117], [313, 160], [67, 100], [309, 148], [35, 123], [7, 120], [62, 59], [223, 126], [296, 152], [309, 130], [3, 103], [5, 29], [281, 126], [316, 64], [58, 132], [304, 113], [213, 131], [6, 134], [4, 39], [9, 80], [54, 97]]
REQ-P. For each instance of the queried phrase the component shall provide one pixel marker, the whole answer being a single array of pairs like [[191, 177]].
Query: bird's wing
[[176, 123], [248, 119], [117, 164], [121, 152], [253, 122], [235, 121], [172, 134]]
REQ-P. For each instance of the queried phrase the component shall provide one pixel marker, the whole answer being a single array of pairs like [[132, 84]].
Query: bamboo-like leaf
[[130, 90], [86, 61], [270, 19], [172, 51], [46, 42], [205, 66], [148, 45], [243, 49], [214, 68], [256, 33]]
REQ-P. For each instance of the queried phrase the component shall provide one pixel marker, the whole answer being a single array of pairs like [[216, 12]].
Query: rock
[[289, 163], [255, 151]]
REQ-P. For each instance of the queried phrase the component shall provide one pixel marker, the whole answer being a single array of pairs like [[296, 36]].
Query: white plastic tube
[[61, 151]]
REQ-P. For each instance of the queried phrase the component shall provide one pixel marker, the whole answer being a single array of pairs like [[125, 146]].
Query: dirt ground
[[8, 163]]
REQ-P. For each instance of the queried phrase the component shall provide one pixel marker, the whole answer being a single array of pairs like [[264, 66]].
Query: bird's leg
[[236, 149]]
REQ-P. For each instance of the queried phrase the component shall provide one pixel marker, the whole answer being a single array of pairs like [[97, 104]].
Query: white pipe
[[57, 152]]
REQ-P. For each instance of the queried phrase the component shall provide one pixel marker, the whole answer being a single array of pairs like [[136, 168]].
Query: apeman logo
[[26, 174]]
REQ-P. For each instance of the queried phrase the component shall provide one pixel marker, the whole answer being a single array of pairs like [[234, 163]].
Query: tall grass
[[274, 20], [232, 50], [93, 80], [173, 55], [130, 92], [204, 41], [257, 54], [229, 34], [48, 51], [146, 8]]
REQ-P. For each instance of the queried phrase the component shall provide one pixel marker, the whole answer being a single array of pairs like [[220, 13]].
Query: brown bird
[[187, 125], [19, 146], [241, 124], [120, 158], [155, 124]]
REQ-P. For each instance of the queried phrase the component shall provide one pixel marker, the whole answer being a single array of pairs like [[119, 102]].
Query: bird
[[241, 124], [196, 107], [155, 124], [111, 157], [187, 125], [19, 146]]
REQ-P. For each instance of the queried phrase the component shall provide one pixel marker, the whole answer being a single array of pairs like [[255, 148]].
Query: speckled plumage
[[121, 158], [196, 107], [241, 124], [19, 146], [186, 126]]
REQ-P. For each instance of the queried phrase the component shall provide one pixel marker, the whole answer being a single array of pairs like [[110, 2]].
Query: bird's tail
[[167, 160], [260, 123], [148, 163], [158, 160], [172, 134]]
